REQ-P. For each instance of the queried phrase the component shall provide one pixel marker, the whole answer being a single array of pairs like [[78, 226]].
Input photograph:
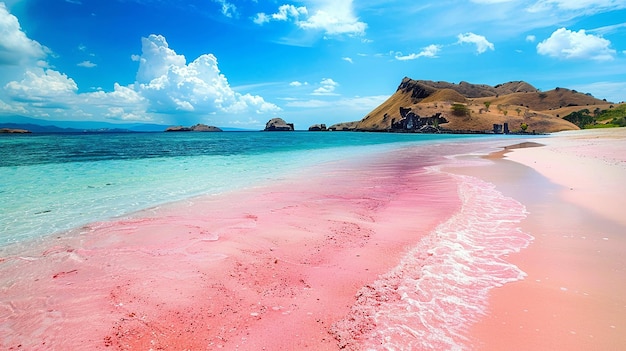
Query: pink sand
[[370, 254], [573, 297], [272, 267]]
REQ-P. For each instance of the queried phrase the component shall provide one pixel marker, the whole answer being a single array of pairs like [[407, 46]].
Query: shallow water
[[55, 182]]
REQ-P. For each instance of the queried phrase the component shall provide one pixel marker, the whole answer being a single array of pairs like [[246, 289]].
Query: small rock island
[[278, 124], [196, 128]]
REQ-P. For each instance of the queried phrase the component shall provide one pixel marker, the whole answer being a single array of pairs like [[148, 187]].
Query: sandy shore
[[572, 298], [363, 255]]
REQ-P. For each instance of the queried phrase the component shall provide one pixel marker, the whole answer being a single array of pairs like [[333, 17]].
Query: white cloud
[[86, 64], [228, 9], [172, 85], [347, 59], [15, 47], [531, 38], [285, 12], [164, 83], [42, 87], [327, 87], [430, 51], [482, 44], [298, 84], [330, 17], [261, 18], [567, 44], [589, 6], [608, 29]]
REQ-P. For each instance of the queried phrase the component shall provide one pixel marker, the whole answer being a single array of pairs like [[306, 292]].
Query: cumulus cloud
[[15, 47], [284, 13], [531, 38], [482, 44], [42, 87], [327, 87], [347, 59], [330, 17], [170, 84], [567, 44], [430, 51], [165, 85]]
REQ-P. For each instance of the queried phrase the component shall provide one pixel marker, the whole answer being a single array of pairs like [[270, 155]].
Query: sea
[[54, 182]]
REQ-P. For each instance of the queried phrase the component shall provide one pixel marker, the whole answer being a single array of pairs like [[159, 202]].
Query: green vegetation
[[460, 110], [580, 118], [487, 104], [613, 117], [524, 126]]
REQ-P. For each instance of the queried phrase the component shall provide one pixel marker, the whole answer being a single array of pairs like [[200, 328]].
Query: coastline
[[572, 185], [298, 263], [273, 266]]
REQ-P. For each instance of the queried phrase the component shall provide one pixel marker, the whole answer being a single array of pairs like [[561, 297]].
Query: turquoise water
[[55, 182]]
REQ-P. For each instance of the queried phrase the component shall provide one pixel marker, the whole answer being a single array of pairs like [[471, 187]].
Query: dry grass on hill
[[445, 95], [541, 111]]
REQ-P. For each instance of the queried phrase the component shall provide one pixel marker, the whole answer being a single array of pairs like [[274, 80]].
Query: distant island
[[195, 128], [14, 131]]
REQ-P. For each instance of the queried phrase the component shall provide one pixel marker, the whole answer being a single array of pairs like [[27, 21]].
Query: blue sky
[[238, 63]]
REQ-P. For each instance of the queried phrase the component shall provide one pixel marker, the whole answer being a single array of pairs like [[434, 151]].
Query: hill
[[45, 126], [428, 106]]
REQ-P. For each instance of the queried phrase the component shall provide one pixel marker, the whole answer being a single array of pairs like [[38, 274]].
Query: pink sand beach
[[519, 251]]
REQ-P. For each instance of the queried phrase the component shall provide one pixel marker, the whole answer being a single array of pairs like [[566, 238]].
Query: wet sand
[[572, 298], [272, 267], [323, 260]]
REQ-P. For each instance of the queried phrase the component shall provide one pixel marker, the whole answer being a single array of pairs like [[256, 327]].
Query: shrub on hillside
[[460, 110]]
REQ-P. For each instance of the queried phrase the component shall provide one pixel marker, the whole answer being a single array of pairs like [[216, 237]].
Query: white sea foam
[[440, 287]]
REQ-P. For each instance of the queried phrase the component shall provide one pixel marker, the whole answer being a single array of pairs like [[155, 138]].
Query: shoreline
[[272, 267], [287, 264], [572, 185]]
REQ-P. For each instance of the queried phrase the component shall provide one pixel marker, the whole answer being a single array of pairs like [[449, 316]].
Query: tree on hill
[[523, 126], [580, 118], [460, 110]]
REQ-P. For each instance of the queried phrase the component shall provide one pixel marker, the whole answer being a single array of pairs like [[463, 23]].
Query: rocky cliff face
[[278, 124]]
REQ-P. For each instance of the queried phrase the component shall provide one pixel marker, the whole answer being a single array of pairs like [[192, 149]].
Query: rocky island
[[278, 124], [14, 131], [195, 128]]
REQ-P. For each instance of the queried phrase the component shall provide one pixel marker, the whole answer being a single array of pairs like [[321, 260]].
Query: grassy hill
[[515, 103]]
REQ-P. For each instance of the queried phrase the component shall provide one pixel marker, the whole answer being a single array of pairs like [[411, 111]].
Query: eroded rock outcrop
[[410, 121], [318, 128], [344, 126], [278, 124]]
